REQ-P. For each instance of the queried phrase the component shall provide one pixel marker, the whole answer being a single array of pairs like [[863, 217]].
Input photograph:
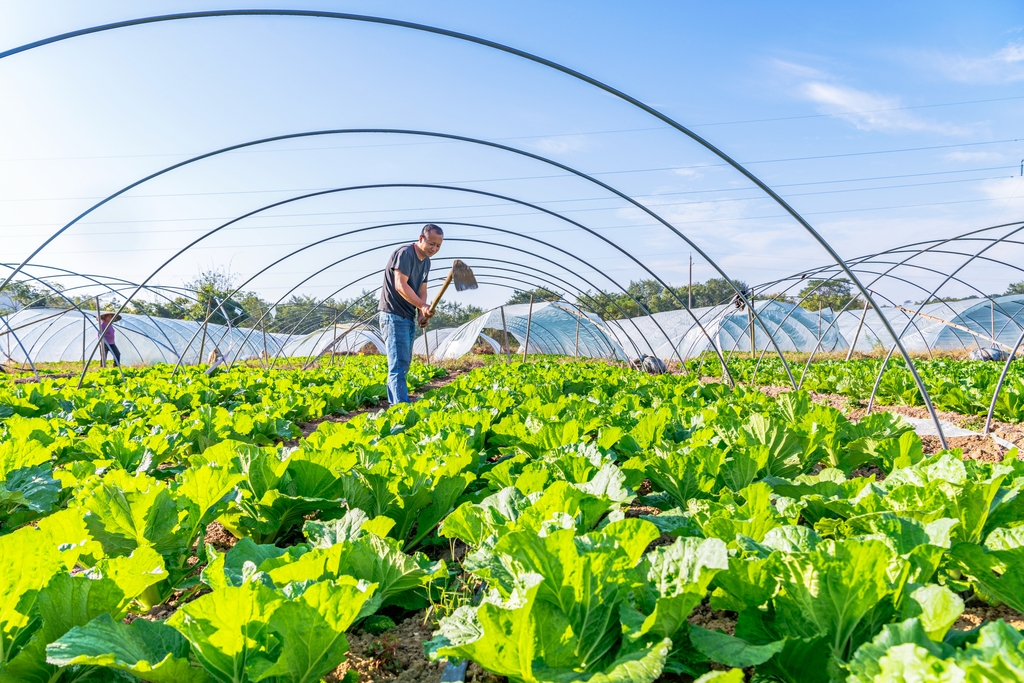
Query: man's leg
[[404, 336], [389, 343], [117, 354]]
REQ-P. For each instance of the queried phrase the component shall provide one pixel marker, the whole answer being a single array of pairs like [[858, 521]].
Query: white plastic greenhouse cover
[[343, 338], [51, 335], [794, 329], [552, 331], [1004, 314], [7, 304], [798, 329], [438, 337]]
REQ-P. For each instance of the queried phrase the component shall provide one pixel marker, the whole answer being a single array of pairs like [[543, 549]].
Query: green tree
[[453, 314], [650, 295], [539, 294], [1015, 288], [834, 294], [33, 296], [211, 289]]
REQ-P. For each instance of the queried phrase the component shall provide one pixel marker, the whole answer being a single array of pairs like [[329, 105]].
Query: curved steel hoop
[[558, 67]]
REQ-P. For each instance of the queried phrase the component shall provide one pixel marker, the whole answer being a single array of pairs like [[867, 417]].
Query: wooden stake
[[202, 344], [102, 342], [750, 320], [856, 334], [529, 321], [577, 334], [819, 321], [504, 330], [334, 344], [266, 356]]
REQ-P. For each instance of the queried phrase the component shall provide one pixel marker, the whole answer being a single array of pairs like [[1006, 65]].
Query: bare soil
[[436, 383], [869, 470], [220, 538], [31, 380], [974, 447], [977, 615], [712, 619], [392, 657]]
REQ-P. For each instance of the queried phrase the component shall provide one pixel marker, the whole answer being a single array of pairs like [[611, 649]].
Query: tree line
[[212, 295]]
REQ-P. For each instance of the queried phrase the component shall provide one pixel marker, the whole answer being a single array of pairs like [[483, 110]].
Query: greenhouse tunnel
[[537, 190]]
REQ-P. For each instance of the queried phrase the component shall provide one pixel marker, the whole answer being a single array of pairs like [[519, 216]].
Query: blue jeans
[[399, 334]]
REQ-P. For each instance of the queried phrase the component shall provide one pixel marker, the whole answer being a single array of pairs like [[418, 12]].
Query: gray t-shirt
[[403, 259]]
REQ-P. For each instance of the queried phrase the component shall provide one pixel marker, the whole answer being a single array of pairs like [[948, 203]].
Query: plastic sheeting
[[1002, 315], [342, 338], [672, 335], [51, 335], [552, 331], [7, 304], [437, 338], [675, 334]]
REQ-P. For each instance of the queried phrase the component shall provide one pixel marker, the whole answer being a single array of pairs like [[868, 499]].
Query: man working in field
[[403, 301]]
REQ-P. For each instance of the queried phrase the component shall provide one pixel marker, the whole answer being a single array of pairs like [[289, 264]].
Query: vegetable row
[[590, 508]]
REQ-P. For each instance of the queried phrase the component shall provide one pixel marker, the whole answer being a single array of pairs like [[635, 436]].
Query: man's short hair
[[431, 228]]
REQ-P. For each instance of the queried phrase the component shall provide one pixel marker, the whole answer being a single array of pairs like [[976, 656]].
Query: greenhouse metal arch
[[549, 64]]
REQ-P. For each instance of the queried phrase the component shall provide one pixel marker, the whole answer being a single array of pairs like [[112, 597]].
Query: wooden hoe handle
[[437, 299]]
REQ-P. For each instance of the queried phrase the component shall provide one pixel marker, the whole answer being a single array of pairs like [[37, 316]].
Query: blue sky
[[882, 124]]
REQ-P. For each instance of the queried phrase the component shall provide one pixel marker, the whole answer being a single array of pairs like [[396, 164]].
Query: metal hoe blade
[[462, 277]]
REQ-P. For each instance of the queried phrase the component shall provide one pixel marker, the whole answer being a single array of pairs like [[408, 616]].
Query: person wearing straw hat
[[107, 321]]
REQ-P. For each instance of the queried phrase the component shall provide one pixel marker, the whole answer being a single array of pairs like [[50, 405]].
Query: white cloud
[[688, 173], [974, 156], [563, 144], [1007, 189], [868, 111], [1003, 66], [799, 70]]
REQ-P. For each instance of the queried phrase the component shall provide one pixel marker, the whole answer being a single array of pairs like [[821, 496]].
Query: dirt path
[[975, 447], [436, 383]]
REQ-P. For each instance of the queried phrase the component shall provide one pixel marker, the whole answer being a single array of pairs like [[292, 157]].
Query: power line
[[540, 137], [516, 178], [519, 214]]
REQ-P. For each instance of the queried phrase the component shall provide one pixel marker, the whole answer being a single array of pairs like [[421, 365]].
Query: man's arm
[[423, 295], [405, 290]]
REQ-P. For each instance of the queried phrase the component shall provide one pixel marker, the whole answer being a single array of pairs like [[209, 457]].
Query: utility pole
[[689, 287]]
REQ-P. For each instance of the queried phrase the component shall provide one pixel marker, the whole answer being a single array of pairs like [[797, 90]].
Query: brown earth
[[712, 620], [974, 447], [30, 380], [976, 616], [392, 657], [220, 538], [436, 383]]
